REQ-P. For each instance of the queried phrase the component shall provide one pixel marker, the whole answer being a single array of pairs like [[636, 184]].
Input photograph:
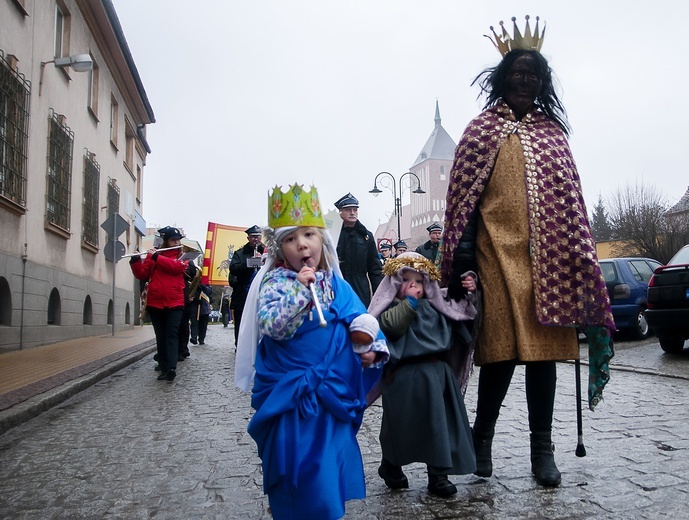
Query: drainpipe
[[21, 314]]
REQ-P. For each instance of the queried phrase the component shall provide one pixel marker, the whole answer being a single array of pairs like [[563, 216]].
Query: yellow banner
[[221, 243]]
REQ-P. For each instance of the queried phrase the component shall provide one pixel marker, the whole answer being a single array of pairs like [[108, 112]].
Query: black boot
[[543, 460], [440, 485], [483, 442], [393, 475]]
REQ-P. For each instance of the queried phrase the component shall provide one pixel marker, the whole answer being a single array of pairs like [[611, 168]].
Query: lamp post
[[395, 185]]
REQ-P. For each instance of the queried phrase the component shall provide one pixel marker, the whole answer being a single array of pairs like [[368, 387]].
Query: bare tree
[[639, 219]]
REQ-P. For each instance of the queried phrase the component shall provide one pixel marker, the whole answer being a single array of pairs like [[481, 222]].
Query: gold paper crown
[[295, 208], [529, 42]]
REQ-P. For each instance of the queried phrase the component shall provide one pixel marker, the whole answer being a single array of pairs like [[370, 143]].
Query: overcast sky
[[250, 94]]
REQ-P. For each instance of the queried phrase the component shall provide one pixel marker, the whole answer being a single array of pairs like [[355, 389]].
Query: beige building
[[73, 117]]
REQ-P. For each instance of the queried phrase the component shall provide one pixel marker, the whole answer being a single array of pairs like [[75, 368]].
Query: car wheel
[[672, 344], [642, 330]]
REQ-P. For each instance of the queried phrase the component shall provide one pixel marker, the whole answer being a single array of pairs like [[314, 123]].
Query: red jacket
[[166, 285]]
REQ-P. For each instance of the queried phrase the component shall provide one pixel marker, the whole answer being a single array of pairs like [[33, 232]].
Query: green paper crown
[[295, 208]]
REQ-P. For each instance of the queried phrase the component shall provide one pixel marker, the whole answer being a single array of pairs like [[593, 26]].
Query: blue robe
[[309, 395]]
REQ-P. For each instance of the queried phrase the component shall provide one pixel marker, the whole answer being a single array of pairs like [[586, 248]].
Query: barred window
[[59, 178], [113, 197], [15, 94], [89, 224]]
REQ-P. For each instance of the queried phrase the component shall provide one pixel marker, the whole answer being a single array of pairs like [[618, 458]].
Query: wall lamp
[[78, 62]]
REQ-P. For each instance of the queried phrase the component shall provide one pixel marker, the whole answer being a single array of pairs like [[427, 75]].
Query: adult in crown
[[526, 233]]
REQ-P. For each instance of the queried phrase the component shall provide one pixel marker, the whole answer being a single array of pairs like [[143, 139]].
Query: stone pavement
[[36, 379], [132, 447]]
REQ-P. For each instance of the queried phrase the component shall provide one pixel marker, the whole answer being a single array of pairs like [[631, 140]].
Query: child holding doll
[[310, 385], [424, 418]]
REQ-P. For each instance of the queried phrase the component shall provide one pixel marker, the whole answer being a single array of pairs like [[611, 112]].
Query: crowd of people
[[323, 328]]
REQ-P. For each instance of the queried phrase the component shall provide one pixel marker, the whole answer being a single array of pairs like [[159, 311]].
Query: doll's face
[[412, 285], [303, 246]]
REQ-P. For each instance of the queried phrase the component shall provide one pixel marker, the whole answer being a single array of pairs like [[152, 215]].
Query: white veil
[[249, 333]]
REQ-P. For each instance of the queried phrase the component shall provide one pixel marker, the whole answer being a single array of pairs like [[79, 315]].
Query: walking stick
[[581, 449]]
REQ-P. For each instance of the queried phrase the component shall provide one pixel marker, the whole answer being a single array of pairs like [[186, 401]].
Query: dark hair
[[493, 81]]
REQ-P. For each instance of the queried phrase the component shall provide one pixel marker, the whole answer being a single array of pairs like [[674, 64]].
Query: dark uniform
[[430, 249], [241, 276], [358, 255]]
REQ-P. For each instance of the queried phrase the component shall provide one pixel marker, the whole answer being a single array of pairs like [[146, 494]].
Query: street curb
[[37, 404]]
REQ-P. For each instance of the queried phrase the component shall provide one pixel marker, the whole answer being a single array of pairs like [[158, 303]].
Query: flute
[[317, 304], [139, 253]]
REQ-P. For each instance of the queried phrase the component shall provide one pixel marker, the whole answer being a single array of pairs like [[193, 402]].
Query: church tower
[[432, 166]]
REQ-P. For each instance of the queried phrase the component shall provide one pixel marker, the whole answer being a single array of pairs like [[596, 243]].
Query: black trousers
[[237, 319], [166, 326], [183, 335], [203, 326], [494, 380]]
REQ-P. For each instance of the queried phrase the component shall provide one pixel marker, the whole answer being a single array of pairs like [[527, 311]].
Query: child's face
[[303, 246], [412, 285]]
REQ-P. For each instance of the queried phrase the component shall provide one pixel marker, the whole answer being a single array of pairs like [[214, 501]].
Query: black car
[[668, 302], [627, 280]]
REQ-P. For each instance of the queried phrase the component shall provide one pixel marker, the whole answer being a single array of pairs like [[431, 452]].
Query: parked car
[[668, 302], [627, 280]]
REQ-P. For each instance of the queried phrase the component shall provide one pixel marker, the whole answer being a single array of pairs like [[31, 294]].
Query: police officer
[[357, 251], [400, 247], [430, 248], [244, 265]]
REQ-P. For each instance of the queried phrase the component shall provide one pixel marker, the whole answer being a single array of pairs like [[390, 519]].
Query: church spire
[[437, 113]]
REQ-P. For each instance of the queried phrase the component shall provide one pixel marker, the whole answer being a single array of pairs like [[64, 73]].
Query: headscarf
[[462, 348], [437, 297], [249, 332]]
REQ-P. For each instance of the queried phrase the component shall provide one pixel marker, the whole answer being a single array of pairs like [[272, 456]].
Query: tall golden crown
[[529, 41], [295, 208]]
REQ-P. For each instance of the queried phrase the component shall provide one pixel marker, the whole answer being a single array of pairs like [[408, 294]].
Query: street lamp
[[78, 62], [396, 187]]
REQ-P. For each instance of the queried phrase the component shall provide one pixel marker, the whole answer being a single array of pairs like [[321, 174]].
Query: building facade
[[73, 118], [432, 166]]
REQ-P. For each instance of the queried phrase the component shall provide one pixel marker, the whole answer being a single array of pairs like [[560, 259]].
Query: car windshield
[[682, 257]]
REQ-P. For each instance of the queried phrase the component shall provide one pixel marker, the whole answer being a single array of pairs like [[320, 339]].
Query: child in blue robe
[[310, 386]]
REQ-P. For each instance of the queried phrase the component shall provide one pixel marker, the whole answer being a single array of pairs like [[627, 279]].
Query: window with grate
[[113, 197], [59, 178], [15, 94], [89, 224]]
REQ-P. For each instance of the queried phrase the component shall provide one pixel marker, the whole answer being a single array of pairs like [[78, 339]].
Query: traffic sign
[[115, 225]]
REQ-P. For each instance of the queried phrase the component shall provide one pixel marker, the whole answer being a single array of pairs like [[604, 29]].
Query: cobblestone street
[[132, 447]]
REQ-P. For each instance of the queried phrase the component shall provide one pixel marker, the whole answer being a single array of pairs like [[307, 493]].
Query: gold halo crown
[[417, 263], [295, 208], [529, 41]]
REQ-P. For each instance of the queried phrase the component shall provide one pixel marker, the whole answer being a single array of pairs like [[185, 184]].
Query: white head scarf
[[249, 332]]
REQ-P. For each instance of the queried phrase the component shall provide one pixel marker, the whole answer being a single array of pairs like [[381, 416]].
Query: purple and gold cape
[[568, 284]]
